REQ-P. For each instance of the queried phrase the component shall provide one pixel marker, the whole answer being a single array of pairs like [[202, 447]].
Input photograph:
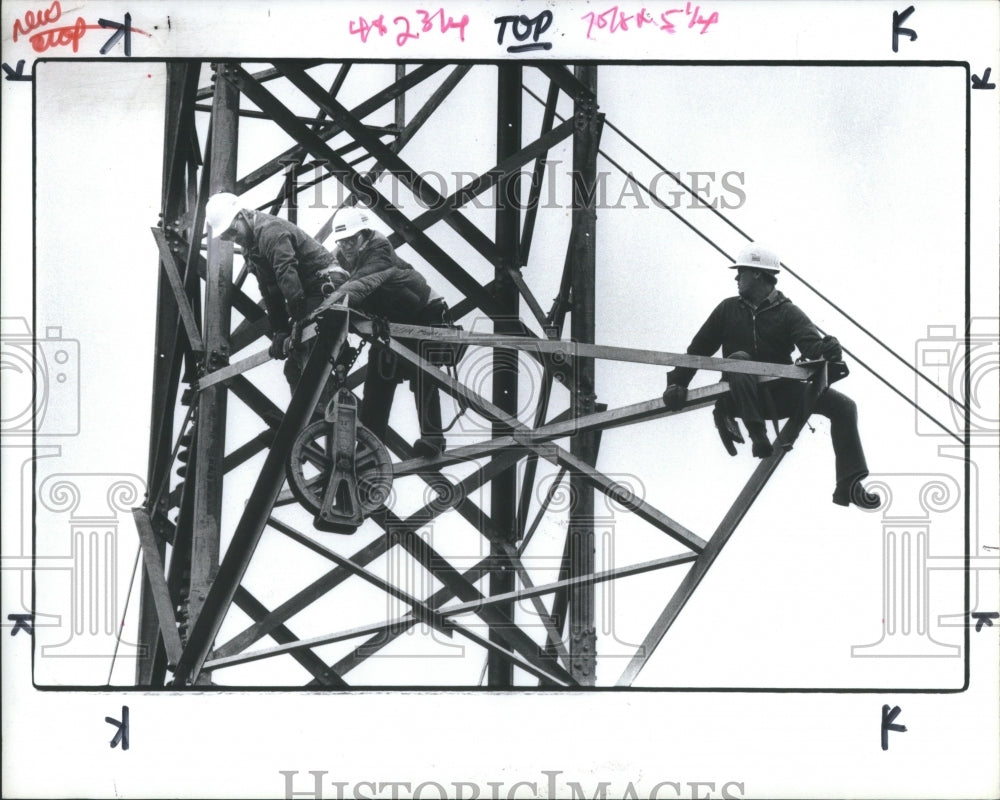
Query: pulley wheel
[[309, 463]]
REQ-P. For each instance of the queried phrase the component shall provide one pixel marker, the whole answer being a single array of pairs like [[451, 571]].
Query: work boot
[[758, 436], [853, 491], [429, 446], [431, 442], [729, 431]]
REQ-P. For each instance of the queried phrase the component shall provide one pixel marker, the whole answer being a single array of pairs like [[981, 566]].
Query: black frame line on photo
[[183, 605]]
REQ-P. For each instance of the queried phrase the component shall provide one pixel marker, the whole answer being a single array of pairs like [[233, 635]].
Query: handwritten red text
[[32, 21], [615, 20], [65, 35], [60, 37], [406, 28]]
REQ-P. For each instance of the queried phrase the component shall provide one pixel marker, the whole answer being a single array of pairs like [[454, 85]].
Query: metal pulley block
[[338, 469]]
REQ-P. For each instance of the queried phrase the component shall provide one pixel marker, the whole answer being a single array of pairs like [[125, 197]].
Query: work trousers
[[785, 398], [386, 371]]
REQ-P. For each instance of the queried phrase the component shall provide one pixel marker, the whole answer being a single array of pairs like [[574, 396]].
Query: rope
[[642, 186], [460, 401], [790, 271], [121, 627]]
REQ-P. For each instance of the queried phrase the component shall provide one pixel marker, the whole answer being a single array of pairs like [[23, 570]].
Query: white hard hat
[[220, 211], [348, 221], [756, 257]]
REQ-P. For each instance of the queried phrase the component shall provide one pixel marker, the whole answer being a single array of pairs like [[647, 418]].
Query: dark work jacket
[[768, 333], [381, 283], [286, 262]]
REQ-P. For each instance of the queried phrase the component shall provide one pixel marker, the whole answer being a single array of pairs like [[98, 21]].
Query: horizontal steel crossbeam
[[467, 607]]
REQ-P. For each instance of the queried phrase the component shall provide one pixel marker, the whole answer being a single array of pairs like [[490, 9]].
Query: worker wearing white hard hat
[[294, 271], [761, 324], [384, 285]]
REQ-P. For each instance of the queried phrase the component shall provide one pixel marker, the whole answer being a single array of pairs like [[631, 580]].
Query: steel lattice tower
[[195, 565]]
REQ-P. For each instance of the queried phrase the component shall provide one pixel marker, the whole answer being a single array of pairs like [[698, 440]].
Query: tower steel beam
[[503, 630], [158, 582], [503, 495], [511, 159], [473, 606], [587, 135], [577, 84], [180, 296], [332, 334], [531, 464], [298, 151], [381, 205], [445, 208], [789, 433], [302, 599], [471, 512], [195, 341], [257, 611], [409, 130], [210, 442], [391, 631], [426, 514], [182, 81], [538, 174]]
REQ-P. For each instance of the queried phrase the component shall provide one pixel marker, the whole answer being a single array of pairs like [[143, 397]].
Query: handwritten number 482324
[[425, 22]]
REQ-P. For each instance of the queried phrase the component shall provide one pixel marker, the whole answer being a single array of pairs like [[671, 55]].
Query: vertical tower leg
[[182, 80], [586, 135], [212, 401], [503, 494]]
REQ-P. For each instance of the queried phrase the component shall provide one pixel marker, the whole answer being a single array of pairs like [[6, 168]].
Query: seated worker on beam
[[294, 271], [382, 284], [761, 324]]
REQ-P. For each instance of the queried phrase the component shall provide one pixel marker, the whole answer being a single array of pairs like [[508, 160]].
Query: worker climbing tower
[[229, 514]]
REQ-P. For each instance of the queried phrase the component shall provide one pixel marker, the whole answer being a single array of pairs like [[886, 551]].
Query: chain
[[345, 362]]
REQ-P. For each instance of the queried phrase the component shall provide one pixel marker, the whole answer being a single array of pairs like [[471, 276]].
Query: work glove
[[729, 431], [296, 337], [830, 349], [674, 397], [279, 346]]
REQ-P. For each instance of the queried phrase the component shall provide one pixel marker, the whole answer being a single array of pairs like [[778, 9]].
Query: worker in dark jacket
[[761, 324], [293, 270], [384, 285]]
